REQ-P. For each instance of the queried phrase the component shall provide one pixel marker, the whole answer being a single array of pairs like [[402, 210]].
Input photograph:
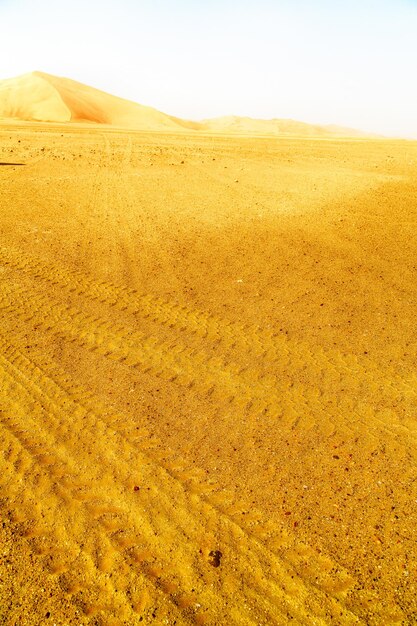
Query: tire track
[[98, 191], [268, 577], [327, 367], [119, 225], [86, 557], [77, 324], [179, 366], [254, 394]]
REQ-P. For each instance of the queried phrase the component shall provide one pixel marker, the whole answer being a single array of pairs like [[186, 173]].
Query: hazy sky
[[346, 62]]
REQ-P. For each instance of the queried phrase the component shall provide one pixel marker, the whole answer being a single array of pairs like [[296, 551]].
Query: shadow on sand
[[12, 163]]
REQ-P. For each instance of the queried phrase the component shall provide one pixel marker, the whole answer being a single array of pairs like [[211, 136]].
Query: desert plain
[[208, 378]]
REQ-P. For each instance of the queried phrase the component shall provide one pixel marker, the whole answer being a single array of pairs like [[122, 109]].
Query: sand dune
[[42, 97], [30, 97], [248, 125]]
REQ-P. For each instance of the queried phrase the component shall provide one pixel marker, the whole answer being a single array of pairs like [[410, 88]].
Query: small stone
[[215, 558]]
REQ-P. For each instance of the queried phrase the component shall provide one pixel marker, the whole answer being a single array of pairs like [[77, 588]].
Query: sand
[[43, 97], [241, 125], [38, 96], [208, 388]]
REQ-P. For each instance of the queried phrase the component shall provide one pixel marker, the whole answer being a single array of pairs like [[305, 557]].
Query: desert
[[208, 357]]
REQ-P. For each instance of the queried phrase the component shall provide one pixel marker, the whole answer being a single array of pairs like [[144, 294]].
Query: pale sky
[[352, 63]]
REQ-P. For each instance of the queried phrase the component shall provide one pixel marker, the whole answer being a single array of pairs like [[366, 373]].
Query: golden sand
[[38, 96], [207, 379]]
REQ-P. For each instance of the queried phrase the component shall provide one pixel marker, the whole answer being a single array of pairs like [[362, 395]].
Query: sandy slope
[[43, 97], [207, 380], [30, 97]]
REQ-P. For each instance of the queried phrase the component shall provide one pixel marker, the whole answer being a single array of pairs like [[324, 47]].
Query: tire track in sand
[[272, 346], [121, 341], [94, 334], [225, 383], [365, 390], [97, 202], [44, 426]]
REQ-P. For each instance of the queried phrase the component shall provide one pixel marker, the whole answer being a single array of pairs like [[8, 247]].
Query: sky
[[352, 63]]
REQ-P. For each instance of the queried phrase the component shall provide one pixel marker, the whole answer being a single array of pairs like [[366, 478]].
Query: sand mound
[[42, 97]]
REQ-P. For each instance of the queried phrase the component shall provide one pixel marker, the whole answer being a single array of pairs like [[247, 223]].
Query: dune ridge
[[42, 97]]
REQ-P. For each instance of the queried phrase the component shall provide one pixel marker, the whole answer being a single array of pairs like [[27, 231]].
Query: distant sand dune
[[45, 98], [248, 125]]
